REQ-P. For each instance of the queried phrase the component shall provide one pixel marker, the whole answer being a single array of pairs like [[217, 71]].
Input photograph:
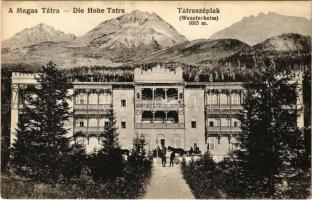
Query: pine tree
[[42, 148], [139, 163], [110, 137], [107, 162], [139, 148], [270, 139]]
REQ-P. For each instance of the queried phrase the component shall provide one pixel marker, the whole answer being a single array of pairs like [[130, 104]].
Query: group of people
[[162, 154]]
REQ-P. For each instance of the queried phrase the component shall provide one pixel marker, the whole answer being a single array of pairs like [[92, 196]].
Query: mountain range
[[142, 37], [255, 29]]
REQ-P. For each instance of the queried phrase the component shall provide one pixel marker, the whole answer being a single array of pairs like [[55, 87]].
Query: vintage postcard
[[156, 99]]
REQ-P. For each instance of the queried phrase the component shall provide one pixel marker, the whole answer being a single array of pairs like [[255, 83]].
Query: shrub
[[102, 166], [203, 177]]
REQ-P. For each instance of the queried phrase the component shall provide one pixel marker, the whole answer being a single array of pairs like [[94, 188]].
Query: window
[[235, 124], [81, 99], [105, 98], [106, 124], [93, 98], [211, 123], [138, 95], [123, 103], [235, 99], [223, 99], [180, 95], [211, 143], [81, 124], [123, 124], [212, 98], [193, 123]]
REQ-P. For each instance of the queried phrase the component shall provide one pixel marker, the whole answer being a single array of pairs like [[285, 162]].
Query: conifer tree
[[270, 140], [43, 148], [110, 137], [139, 147], [107, 162]]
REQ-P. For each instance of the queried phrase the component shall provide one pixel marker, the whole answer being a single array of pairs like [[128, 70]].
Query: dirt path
[[167, 183]]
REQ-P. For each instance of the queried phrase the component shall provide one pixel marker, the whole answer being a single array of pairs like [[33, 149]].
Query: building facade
[[158, 104]]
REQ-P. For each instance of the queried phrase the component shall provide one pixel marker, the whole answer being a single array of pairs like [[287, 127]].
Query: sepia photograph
[[156, 99]]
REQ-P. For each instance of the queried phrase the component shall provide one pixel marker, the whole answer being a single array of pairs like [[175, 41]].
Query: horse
[[180, 151]]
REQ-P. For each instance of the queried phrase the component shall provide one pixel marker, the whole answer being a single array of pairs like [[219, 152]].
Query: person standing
[[163, 157], [172, 155]]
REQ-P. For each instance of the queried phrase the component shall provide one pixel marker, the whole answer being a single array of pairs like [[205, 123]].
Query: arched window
[[160, 117], [147, 94], [147, 116], [81, 98], [235, 99], [160, 94], [223, 98], [212, 98], [161, 140], [105, 98], [172, 94], [93, 98], [172, 117]]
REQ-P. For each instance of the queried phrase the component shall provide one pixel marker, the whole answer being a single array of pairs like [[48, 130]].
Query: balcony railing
[[92, 106], [159, 101], [159, 104], [213, 106], [89, 129], [159, 125], [224, 106], [222, 128], [91, 109]]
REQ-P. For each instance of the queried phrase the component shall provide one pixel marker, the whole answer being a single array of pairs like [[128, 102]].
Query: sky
[[78, 24]]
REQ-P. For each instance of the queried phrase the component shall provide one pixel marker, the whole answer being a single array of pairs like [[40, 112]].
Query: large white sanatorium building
[[158, 103]]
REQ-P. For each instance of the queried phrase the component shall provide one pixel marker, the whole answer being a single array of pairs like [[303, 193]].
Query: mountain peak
[[139, 17], [140, 13], [43, 26], [255, 29], [37, 34], [131, 30]]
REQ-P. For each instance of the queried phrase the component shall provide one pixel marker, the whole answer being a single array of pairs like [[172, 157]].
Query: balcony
[[212, 106], [159, 125], [91, 108], [159, 104], [224, 106], [223, 129], [89, 130]]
